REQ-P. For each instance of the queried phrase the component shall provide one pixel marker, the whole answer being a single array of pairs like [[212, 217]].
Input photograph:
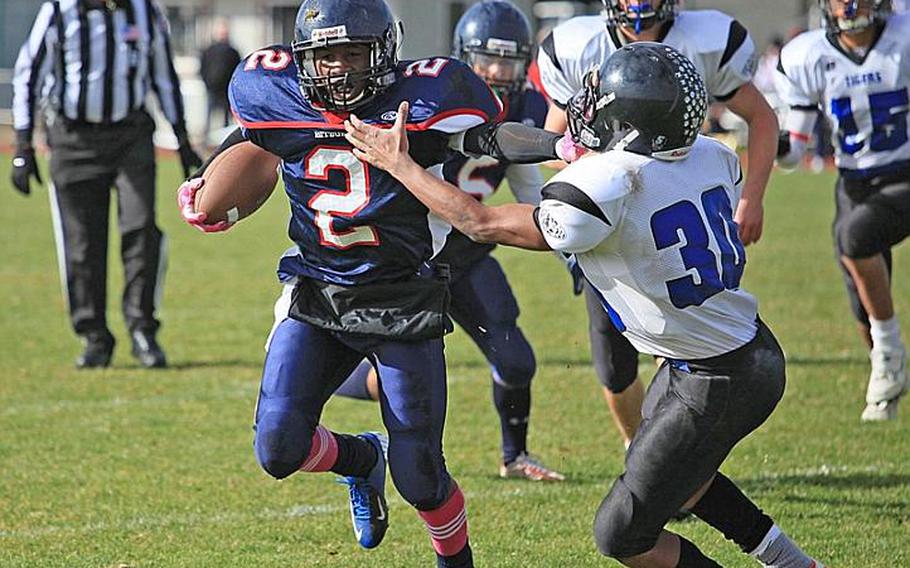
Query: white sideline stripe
[[239, 393], [60, 241], [198, 520], [54, 407]]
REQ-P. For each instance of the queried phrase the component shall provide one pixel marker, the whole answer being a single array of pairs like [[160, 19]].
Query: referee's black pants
[[86, 161]]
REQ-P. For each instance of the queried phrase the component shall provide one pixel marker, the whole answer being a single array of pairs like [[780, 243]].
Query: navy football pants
[[484, 306], [305, 365]]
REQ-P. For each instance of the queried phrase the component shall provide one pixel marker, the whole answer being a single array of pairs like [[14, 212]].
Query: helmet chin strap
[[854, 25]]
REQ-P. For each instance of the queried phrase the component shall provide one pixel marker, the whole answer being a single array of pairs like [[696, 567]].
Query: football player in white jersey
[[724, 54], [649, 215], [857, 70]]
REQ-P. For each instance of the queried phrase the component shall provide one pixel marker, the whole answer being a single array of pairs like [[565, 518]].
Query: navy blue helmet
[[640, 16], [858, 14], [647, 98], [326, 23], [494, 39]]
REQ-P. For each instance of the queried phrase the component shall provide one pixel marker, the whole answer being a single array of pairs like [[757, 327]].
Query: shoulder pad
[[535, 108], [708, 30], [445, 95], [802, 49], [264, 92], [569, 42], [899, 21], [528, 107], [603, 177]]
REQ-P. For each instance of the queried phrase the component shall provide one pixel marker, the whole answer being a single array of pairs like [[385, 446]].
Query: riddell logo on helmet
[[503, 45], [330, 33]]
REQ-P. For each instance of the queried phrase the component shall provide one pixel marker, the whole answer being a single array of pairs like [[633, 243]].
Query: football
[[237, 182]]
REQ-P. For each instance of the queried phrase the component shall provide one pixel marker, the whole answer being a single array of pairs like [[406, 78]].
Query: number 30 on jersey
[[681, 225]]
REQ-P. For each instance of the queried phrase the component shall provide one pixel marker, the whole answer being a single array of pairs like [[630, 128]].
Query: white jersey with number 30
[[866, 98], [658, 241]]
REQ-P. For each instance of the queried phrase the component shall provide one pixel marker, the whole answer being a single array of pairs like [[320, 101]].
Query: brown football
[[237, 182]]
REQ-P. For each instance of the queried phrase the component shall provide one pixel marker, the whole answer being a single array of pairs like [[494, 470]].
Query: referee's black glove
[[189, 159], [24, 168]]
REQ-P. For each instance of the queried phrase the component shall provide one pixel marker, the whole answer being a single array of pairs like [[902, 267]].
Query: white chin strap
[[854, 25]]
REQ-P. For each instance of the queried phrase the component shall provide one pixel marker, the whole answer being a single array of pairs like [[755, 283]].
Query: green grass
[[155, 469]]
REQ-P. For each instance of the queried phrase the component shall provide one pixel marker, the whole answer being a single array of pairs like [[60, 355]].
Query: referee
[[92, 63]]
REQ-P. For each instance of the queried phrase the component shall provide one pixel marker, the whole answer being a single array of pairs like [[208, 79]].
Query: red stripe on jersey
[[420, 126]]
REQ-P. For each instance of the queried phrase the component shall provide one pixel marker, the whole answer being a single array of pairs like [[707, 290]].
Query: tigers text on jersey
[[658, 241], [719, 46], [865, 98], [352, 223]]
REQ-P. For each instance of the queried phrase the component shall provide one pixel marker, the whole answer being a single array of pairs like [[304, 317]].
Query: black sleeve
[[511, 142], [235, 137], [428, 147]]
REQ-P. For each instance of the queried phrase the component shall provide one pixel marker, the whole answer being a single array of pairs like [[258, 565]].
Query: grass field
[[125, 467]]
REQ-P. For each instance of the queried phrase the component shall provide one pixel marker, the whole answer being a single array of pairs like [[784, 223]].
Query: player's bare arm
[[749, 104], [387, 149]]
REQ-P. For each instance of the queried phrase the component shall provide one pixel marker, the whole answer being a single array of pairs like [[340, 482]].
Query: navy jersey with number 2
[[352, 223]]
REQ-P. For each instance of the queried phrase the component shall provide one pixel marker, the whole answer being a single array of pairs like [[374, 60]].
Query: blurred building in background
[[428, 30]]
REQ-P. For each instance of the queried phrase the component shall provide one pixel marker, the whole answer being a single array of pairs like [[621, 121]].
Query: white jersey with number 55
[[865, 98], [658, 241]]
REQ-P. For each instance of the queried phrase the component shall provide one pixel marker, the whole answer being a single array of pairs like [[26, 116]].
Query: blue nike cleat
[[369, 513]]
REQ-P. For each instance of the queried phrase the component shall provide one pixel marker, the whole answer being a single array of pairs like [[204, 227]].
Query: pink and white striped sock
[[448, 525], [323, 452]]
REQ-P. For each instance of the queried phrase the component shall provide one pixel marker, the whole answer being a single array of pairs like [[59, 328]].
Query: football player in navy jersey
[[494, 39], [357, 282]]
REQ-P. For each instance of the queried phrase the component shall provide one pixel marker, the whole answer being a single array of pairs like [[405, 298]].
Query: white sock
[[886, 334], [769, 538], [778, 551]]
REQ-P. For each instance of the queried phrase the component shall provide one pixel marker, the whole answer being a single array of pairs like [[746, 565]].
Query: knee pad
[[615, 360], [512, 358], [418, 471], [615, 530], [282, 442], [860, 235]]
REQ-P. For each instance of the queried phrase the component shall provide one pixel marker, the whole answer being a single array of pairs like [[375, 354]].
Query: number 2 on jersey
[[684, 217], [330, 205]]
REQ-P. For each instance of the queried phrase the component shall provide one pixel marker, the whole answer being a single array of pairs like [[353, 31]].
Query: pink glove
[[568, 149], [186, 199]]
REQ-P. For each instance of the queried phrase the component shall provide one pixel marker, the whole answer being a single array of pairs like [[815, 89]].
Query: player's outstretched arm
[[387, 149], [516, 143]]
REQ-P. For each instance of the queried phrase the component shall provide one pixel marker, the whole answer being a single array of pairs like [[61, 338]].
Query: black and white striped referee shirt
[[95, 62]]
